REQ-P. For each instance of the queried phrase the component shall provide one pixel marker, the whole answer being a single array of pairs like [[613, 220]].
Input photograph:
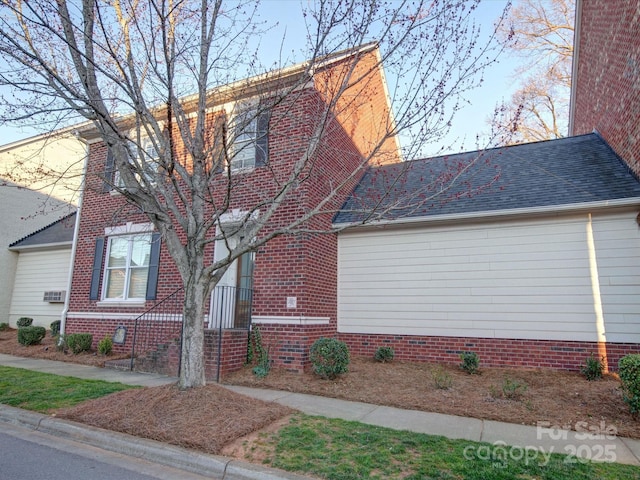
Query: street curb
[[157, 452]]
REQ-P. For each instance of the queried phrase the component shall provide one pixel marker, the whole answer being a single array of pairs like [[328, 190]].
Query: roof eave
[[494, 214], [42, 246]]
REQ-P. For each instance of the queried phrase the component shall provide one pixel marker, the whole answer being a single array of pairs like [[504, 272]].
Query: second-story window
[[148, 158], [248, 134]]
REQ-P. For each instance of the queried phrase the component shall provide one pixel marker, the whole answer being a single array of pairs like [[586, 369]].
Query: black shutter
[[262, 138], [94, 292], [154, 264], [109, 171]]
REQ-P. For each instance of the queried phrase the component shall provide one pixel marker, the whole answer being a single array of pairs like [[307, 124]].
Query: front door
[[231, 299]]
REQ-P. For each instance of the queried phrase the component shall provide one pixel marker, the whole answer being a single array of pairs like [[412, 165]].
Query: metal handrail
[[163, 322]]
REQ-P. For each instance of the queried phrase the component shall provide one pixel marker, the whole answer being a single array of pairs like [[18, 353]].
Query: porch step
[[122, 364]]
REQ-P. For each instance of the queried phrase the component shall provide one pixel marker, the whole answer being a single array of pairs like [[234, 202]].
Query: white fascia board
[[496, 214], [43, 246]]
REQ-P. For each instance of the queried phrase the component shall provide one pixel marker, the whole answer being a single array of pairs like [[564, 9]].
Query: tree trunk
[[192, 372]]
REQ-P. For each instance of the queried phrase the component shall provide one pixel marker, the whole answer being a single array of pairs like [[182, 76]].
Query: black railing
[[231, 307], [160, 324]]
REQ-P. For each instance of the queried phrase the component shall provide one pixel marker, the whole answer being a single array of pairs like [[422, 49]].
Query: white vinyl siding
[[39, 272], [526, 279]]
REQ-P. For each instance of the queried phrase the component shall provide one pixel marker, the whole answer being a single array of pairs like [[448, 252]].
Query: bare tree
[[145, 73], [541, 32]]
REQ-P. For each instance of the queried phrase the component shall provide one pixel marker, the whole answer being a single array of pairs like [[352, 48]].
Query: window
[[127, 267], [249, 136], [149, 161], [131, 264]]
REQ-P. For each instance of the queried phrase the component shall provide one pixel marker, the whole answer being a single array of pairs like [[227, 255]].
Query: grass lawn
[[332, 449], [43, 392], [338, 449]]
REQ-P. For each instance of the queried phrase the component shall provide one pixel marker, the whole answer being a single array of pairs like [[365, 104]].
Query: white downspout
[[76, 229]]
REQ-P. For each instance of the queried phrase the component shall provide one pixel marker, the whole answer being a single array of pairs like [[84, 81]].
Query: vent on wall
[[54, 296]]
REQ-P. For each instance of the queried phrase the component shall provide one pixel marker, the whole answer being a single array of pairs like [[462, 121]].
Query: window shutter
[[154, 265], [262, 138], [109, 171], [94, 292]]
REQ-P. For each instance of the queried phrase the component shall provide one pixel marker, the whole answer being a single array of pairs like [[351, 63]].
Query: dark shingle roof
[[60, 231], [567, 171]]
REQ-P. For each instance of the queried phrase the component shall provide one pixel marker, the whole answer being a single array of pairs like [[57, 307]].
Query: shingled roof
[[569, 171], [59, 232]]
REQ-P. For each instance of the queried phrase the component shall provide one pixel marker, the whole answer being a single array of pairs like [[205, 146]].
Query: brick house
[[122, 270], [606, 69]]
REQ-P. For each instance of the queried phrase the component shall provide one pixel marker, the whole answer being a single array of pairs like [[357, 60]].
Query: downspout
[[76, 229]]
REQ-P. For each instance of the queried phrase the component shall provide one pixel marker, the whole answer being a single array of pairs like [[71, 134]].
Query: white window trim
[[128, 230], [147, 146], [233, 110]]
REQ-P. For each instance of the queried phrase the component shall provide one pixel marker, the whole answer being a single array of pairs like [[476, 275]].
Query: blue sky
[[288, 28]]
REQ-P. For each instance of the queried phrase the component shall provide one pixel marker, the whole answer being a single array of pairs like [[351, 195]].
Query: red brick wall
[[302, 266], [493, 352], [607, 96]]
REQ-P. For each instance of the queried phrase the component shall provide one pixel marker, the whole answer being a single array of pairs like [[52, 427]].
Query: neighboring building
[[532, 258], [42, 273], [40, 181], [606, 72], [293, 278]]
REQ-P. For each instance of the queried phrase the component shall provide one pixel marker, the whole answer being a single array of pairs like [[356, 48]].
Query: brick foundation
[[493, 352]]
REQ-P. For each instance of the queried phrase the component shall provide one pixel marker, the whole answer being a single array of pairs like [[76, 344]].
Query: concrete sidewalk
[[510, 438]]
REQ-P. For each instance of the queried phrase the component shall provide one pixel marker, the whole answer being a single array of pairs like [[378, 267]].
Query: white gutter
[[496, 214], [74, 244], [42, 246]]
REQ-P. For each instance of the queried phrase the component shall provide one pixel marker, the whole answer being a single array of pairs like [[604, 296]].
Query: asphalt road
[[29, 455]]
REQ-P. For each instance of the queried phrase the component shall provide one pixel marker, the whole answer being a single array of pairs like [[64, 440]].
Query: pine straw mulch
[[562, 399], [204, 419], [47, 350]]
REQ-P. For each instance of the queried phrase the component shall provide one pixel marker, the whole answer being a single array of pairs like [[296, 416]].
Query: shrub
[[593, 368], [629, 368], [513, 389], [79, 342], [442, 379], [31, 335], [259, 354], [384, 354], [24, 322], [55, 328], [4, 326], [470, 362], [104, 346], [329, 357]]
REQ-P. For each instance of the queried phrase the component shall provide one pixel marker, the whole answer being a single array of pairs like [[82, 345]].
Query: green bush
[[79, 342], [105, 345], [259, 354], [24, 322], [31, 335], [384, 354], [329, 357], [55, 328], [593, 368], [470, 362], [4, 326], [629, 368], [442, 379]]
